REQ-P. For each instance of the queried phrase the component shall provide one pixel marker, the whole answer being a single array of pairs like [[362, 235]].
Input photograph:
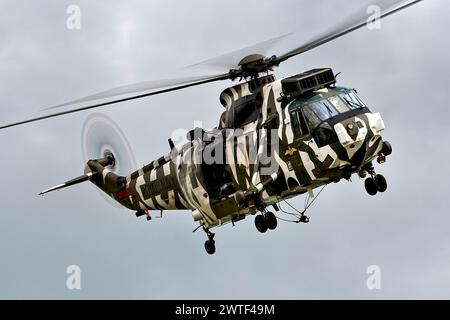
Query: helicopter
[[276, 139]]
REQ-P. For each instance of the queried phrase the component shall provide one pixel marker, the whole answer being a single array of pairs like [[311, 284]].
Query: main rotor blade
[[125, 93], [231, 60], [358, 21]]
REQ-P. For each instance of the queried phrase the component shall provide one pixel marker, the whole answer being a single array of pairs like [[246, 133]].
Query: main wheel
[[271, 220], [381, 183], [371, 186], [210, 246], [260, 223]]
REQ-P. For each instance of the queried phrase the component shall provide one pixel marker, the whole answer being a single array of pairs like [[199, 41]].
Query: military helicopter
[[276, 139]]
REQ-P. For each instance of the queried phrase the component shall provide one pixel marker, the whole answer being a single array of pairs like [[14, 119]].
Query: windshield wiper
[[330, 112], [352, 103]]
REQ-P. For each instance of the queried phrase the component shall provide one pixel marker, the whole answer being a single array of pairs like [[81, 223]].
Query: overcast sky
[[401, 71]]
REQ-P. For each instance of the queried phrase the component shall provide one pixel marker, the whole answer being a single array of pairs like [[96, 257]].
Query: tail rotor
[[102, 138]]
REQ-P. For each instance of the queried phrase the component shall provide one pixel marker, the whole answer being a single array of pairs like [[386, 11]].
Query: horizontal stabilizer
[[72, 182]]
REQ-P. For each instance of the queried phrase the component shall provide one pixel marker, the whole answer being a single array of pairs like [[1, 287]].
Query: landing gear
[[266, 221], [375, 183], [371, 186], [381, 183], [271, 220], [210, 244], [261, 223]]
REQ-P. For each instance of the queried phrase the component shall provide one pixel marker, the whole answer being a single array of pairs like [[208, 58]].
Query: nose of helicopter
[[360, 136]]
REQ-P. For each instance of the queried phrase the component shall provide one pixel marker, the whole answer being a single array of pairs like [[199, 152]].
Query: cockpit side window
[[311, 118], [298, 124]]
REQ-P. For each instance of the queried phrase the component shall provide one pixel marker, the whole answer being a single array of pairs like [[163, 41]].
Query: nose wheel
[[375, 183]]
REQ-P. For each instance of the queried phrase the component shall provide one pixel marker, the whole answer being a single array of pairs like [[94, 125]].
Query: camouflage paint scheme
[[179, 180]]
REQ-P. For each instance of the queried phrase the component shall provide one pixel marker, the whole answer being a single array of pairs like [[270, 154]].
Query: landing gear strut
[[266, 221], [210, 244], [375, 183]]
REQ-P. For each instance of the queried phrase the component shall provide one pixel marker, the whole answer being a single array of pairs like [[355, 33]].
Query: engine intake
[[307, 82]]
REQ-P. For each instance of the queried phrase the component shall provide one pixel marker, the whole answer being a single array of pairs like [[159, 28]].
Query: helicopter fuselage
[[267, 147]]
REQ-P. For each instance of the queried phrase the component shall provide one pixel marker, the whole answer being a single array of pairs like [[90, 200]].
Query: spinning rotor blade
[[254, 63], [100, 137], [230, 60], [142, 89], [358, 21], [125, 93], [250, 66]]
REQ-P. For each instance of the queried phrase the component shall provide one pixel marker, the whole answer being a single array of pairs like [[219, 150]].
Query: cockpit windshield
[[353, 101], [322, 107], [311, 114], [339, 104], [318, 112]]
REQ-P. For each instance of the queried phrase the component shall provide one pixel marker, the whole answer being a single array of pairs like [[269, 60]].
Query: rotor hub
[[253, 65]]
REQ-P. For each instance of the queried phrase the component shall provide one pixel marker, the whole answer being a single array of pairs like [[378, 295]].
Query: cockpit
[[317, 113]]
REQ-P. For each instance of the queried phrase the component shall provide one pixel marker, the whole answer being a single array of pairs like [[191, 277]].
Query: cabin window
[[218, 181], [244, 111], [245, 114]]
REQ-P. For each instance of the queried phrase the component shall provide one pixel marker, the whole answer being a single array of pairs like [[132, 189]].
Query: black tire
[[381, 183], [271, 221], [210, 246], [260, 223], [371, 186], [387, 148]]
